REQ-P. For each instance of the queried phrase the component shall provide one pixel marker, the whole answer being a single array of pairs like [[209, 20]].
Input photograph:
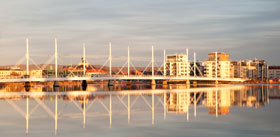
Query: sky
[[245, 29]]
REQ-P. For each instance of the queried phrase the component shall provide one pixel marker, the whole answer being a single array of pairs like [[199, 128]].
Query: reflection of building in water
[[177, 86], [251, 97], [80, 98], [178, 102], [42, 88], [11, 88], [274, 92], [254, 97], [220, 100], [20, 88]]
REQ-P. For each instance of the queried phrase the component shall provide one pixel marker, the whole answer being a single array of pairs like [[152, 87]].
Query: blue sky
[[245, 29]]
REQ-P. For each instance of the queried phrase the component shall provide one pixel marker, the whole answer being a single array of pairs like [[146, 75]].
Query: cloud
[[199, 25]]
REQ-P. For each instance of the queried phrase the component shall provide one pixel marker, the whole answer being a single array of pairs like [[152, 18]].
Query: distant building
[[74, 71], [9, 73], [251, 69], [95, 72], [244, 69], [221, 62], [36, 73], [261, 68], [274, 72], [177, 65]]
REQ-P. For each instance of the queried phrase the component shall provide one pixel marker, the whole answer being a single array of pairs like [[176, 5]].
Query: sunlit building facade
[[251, 69], [274, 72], [177, 65], [220, 66], [9, 73]]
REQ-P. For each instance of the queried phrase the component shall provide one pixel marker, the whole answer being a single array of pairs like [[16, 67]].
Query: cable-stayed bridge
[[116, 76]]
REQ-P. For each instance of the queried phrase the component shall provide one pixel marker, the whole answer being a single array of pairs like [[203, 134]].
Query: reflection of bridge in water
[[218, 100]]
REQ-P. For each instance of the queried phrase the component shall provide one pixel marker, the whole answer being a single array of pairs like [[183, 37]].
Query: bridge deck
[[120, 78]]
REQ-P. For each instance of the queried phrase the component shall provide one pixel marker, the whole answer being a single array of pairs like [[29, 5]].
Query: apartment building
[[177, 65], [273, 72], [218, 64], [251, 69]]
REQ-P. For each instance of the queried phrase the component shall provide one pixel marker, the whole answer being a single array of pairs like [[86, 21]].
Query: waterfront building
[[9, 73], [218, 62], [50, 72], [74, 70], [36, 73], [244, 69], [177, 65], [274, 72], [95, 72], [251, 69], [261, 68]]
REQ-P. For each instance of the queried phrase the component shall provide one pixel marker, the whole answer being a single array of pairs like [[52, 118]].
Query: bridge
[[120, 78], [115, 77]]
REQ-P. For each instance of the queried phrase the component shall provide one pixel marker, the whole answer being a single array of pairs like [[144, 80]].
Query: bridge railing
[[21, 77], [118, 76]]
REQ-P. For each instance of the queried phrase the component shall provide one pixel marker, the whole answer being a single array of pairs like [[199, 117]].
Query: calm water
[[141, 110]]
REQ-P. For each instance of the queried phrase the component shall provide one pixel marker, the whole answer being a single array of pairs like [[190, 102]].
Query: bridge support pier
[[55, 84], [128, 83], [116, 82], [27, 86], [153, 87], [84, 85], [216, 82], [194, 83], [188, 82], [164, 82], [110, 82], [153, 82]]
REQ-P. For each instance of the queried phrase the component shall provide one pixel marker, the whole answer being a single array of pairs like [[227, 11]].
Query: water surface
[[140, 110]]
